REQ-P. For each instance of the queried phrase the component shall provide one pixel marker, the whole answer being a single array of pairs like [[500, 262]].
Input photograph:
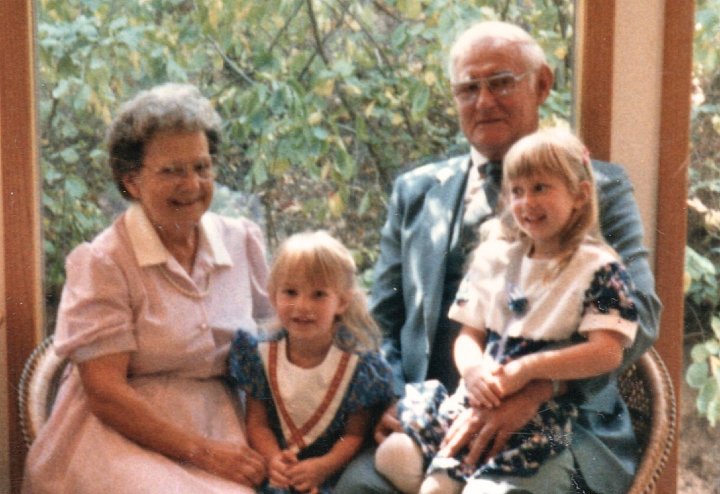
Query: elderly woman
[[146, 317]]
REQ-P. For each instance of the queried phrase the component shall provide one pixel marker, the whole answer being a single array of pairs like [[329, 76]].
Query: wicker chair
[[646, 387], [648, 392], [39, 383]]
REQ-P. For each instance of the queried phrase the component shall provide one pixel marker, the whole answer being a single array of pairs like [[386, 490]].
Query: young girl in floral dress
[[314, 384], [546, 299]]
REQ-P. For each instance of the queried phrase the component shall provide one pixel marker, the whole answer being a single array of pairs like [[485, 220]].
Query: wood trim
[[20, 207], [595, 33], [594, 81], [674, 155]]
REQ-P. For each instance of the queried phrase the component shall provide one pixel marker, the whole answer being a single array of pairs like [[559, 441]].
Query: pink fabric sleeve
[[94, 317]]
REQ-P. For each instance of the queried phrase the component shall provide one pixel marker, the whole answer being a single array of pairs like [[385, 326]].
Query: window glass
[[323, 102]]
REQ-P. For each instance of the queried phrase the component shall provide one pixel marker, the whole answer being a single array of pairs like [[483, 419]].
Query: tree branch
[[316, 33]]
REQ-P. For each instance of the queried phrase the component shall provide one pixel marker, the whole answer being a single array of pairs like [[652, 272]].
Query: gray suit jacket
[[425, 206]]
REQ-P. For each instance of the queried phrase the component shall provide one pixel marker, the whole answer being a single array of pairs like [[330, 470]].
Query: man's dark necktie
[[481, 204]]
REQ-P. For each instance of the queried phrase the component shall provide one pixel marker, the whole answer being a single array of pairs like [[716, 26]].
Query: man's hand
[[387, 424], [487, 430]]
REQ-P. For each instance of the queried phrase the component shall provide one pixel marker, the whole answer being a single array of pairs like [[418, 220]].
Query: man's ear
[[544, 80]]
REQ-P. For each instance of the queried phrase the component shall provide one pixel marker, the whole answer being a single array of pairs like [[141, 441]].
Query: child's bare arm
[[309, 474], [260, 436], [262, 440], [600, 354], [474, 367]]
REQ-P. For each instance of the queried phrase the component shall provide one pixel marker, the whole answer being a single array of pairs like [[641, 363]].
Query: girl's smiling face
[[307, 310], [543, 206]]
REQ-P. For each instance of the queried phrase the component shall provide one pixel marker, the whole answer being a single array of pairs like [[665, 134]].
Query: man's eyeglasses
[[499, 85]]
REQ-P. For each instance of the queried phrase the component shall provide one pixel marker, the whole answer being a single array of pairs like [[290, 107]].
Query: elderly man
[[500, 78]]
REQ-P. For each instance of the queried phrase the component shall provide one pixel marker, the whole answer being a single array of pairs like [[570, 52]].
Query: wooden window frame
[[20, 234]]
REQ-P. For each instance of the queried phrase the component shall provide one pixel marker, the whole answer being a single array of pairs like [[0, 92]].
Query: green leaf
[[713, 411], [697, 374], [420, 100], [715, 323], [75, 187], [712, 346], [699, 353], [706, 396], [320, 133], [344, 68], [399, 36], [697, 264], [410, 8], [70, 156], [345, 165]]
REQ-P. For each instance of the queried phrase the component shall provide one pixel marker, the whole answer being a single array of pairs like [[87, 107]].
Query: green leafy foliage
[[703, 374], [323, 101], [702, 301]]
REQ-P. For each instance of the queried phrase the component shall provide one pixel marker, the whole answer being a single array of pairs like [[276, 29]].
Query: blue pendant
[[517, 302]]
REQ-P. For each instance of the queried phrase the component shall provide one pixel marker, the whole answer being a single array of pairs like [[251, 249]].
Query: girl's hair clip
[[586, 156]]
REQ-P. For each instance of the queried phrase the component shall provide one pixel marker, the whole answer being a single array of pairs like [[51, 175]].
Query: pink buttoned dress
[[125, 293]]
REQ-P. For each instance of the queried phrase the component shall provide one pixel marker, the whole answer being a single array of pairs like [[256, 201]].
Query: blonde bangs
[[537, 154], [310, 262]]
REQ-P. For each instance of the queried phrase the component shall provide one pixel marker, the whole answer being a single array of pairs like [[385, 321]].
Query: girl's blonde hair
[[557, 152], [319, 259]]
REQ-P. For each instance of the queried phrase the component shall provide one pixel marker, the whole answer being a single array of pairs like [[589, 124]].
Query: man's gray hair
[[502, 32]]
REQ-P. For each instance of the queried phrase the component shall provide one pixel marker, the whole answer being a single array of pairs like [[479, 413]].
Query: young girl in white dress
[[546, 299], [314, 385]]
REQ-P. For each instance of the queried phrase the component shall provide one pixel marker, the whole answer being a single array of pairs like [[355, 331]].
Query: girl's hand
[[234, 462], [279, 466], [308, 475], [509, 378], [482, 385]]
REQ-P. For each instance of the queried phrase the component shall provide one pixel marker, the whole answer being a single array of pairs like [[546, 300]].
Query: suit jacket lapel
[[442, 210]]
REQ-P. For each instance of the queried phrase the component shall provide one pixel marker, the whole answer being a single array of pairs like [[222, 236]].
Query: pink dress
[[125, 293]]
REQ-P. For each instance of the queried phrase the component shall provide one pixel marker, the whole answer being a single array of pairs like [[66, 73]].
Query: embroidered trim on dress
[[298, 433]]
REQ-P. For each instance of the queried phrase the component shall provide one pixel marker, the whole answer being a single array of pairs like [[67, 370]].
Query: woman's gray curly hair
[[167, 107]]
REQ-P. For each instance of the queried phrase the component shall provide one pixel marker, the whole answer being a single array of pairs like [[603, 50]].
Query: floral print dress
[[522, 309]]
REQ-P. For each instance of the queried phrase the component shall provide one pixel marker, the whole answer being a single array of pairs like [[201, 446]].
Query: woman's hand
[[387, 424], [234, 462], [113, 401], [487, 430]]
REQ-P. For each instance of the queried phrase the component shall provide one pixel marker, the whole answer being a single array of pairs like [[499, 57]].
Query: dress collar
[[149, 249]]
